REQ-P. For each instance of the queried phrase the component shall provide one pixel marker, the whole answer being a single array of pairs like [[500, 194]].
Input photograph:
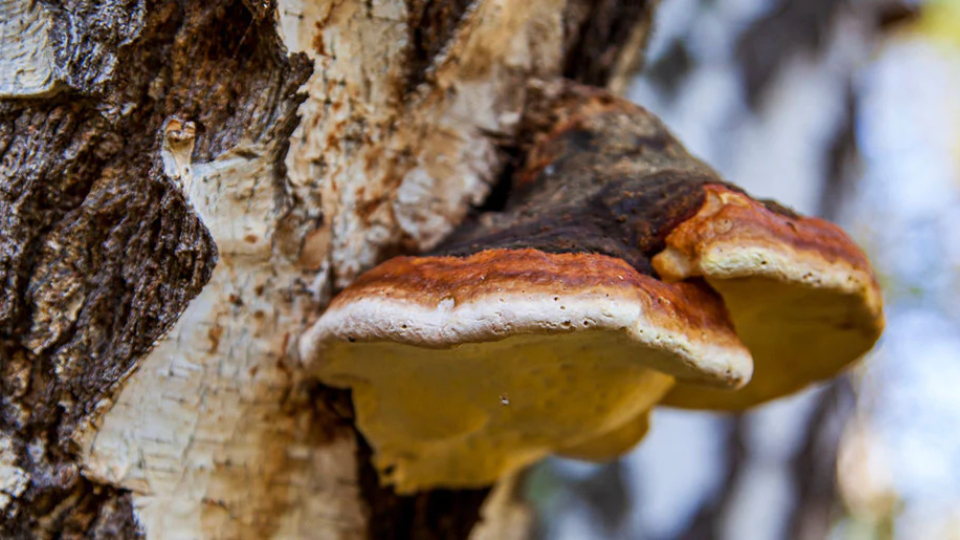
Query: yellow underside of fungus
[[463, 416]]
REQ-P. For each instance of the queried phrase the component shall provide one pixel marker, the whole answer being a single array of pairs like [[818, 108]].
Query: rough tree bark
[[182, 186]]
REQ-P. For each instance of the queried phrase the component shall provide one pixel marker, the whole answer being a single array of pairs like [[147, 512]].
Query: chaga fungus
[[554, 326]]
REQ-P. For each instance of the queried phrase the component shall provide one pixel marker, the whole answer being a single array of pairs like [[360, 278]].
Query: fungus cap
[[801, 294], [467, 368]]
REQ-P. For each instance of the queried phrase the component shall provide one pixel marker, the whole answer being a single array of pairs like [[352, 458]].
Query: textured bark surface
[[173, 212], [100, 251]]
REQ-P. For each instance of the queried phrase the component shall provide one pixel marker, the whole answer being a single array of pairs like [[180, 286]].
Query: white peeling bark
[[13, 480], [202, 433], [26, 62]]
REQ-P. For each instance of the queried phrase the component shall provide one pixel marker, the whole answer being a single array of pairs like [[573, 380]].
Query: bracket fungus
[[801, 294], [621, 271]]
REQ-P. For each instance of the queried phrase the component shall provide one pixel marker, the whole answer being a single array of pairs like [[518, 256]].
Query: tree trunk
[[182, 186]]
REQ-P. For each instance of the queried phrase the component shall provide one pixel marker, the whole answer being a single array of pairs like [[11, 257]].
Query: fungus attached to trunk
[[555, 325]]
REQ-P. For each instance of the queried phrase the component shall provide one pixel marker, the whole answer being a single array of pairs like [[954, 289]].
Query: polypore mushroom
[[544, 328], [801, 293]]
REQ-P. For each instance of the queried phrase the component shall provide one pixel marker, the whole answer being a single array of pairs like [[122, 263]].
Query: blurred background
[[847, 109]]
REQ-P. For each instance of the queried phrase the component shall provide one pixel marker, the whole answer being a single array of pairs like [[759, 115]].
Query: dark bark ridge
[[596, 33], [99, 252]]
